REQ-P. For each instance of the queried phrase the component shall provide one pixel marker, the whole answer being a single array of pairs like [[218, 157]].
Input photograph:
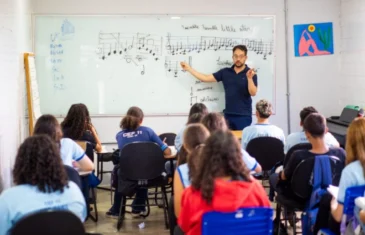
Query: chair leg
[[148, 208], [121, 213], [93, 198], [294, 224], [278, 216], [286, 217], [165, 206]]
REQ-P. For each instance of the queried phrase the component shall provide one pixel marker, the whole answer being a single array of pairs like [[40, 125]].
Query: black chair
[[73, 176], [49, 223], [267, 151], [141, 166], [303, 146], [301, 187], [170, 138]]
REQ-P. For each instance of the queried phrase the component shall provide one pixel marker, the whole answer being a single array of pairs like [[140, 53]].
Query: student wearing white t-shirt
[[71, 153], [262, 128], [353, 174], [41, 184], [300, 137]]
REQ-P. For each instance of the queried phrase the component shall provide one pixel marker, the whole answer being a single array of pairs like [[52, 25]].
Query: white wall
[[14, 40], [314, 81], [352, 53]]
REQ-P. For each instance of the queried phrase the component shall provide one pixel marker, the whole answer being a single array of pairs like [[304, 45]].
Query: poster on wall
[[313, 39]]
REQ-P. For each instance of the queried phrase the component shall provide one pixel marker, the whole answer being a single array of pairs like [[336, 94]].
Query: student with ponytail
[[133, 131]]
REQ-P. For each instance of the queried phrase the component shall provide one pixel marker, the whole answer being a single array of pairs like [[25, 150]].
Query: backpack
[[322, 178]]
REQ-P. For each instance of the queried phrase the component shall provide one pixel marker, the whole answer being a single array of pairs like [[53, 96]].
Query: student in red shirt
[[221, 183]]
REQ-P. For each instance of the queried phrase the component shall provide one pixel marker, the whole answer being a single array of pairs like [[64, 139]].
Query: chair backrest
[[267, 151], [302, 146], [302, 178], [141, 161], [350, 195], [88, 148], [73, 176], [49, 223], [170, 138], [248, 221]]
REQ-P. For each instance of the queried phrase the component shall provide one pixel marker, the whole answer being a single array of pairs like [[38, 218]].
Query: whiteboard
[[113, 62]]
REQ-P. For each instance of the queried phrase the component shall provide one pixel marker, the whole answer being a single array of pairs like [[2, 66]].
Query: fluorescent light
[[175, 17]]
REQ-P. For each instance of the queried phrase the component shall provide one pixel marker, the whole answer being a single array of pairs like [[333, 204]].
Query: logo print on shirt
[[132, 134]]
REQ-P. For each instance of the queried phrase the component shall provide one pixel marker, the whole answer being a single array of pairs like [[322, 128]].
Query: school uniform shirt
[[141, 134], [21, 200], [179, 139], [352, 175], [70, 151], [228, 196], [261, 130], [300, 138], [300, 155]]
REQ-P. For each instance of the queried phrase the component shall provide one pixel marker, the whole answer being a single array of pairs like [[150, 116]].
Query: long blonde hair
[[355, 142]]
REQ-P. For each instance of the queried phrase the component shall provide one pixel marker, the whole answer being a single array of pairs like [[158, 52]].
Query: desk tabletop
[[237, 134]]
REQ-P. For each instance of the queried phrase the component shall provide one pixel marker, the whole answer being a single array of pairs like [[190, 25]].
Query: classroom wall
[[15, 38], [314, 81], [352, 85]]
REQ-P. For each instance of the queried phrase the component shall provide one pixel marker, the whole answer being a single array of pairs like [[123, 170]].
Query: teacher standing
[[240, 83]]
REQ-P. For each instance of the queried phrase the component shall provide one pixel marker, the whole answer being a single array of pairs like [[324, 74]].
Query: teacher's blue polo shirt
[[238, 99]]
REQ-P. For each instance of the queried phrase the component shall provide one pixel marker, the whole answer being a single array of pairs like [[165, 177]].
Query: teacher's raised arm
[[239, 82], [200, 76]]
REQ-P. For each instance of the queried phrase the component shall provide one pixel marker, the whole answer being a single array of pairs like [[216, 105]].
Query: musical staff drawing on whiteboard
[[172, 65], [182, 45], [121, 43]]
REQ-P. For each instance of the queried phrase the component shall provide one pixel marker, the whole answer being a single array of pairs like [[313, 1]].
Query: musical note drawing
[[182, 45], [143, 70], [193, 99], [120, 43], [172, 66]]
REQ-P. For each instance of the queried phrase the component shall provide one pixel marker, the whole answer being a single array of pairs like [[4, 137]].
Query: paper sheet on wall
[[35, 90]]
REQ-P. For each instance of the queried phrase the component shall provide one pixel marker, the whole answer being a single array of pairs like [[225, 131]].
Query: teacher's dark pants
[[238, 122]]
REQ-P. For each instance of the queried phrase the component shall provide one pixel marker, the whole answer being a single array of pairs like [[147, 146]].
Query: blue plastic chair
[[349, 205], [256, 220]]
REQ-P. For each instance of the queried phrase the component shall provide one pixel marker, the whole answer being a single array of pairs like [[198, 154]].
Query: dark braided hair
[[220, 157], [77, 121], [38, 163]]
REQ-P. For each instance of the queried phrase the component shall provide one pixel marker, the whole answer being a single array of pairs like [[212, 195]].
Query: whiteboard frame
[[34, 15]]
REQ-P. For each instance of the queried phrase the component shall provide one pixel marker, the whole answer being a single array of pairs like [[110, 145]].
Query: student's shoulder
[[293, 135], [72, 188], [340, 152], [16, 192], [67, 141]]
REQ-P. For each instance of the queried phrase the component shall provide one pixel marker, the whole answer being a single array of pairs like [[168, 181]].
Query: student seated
[[315, 129], [196, 108], [300, 138], [221, 182], [262, 128], [71, 153], [353, 174], [195, 118], [41, 184], [216, 121], [194, 137], [133, 131], [77, 126]]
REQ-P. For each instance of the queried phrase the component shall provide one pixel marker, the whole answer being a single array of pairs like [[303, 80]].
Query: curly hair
[[133, 119], [214, 122], [77, 121], [264, 108], [48, 125], [38, 163], [220, 157]]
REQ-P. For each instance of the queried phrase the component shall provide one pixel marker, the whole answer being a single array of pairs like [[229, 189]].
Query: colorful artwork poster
[[313, 39]]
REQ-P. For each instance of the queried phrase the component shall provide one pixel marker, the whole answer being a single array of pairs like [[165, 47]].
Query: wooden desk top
[[238, 134]]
